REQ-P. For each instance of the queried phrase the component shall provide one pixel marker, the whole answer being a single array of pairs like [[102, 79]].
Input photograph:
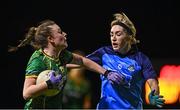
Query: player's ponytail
[[28, 39]]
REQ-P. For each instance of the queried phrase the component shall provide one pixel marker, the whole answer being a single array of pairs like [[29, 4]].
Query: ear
[[50, 39]]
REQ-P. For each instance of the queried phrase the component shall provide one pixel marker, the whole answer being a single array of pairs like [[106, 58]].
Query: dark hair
[[36, 36]]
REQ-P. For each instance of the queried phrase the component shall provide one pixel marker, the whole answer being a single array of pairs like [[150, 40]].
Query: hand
[[54, 81], [118, 78], [156, 99]]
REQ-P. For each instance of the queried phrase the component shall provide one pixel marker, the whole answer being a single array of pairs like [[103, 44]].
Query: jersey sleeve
[[148, 70], [66, 57], [34, 67]]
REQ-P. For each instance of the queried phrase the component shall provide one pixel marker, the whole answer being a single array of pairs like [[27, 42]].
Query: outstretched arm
[[112, 76], [87, 63], [73, 66]]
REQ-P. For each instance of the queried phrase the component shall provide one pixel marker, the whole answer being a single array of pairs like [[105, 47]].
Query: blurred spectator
[[77, 91]]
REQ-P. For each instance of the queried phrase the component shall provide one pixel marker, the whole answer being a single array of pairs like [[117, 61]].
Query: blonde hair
[[122, 20]]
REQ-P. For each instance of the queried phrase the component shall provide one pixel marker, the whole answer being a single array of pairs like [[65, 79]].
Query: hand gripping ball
[[44, 76]]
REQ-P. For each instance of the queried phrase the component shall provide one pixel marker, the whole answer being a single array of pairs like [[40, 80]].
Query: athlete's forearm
[[91, 65], [153, 84], [31, 90], [88, 64]]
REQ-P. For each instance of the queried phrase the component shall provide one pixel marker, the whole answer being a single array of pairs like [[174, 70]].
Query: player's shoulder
[[142, 54], [105, 49], [37, 54], [141, 57], [101, 51]]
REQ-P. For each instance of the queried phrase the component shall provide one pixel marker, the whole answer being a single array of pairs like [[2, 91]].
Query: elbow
[[26, 96]]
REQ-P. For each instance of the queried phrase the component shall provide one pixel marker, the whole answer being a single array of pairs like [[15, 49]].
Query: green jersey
[[39, 62]]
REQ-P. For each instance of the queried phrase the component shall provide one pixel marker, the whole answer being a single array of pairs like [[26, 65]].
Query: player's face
[[119, 38], [58, 37]]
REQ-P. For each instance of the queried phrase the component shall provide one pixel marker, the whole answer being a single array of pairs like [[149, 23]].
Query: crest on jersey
[[131, 68]]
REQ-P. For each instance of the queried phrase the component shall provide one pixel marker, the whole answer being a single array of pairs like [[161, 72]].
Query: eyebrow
[[116, 31]]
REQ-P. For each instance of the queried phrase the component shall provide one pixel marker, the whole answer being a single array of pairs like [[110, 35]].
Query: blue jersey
[[134, 64]]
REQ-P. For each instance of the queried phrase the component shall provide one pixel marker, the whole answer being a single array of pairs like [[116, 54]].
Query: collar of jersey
[[52, 58]]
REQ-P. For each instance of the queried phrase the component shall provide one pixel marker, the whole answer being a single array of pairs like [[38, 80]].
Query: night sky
[[87, 23]]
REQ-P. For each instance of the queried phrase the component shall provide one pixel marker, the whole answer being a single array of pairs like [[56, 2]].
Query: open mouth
[[115, 45]]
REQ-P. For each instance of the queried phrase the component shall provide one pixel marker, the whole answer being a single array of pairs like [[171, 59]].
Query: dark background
[[87, 23]]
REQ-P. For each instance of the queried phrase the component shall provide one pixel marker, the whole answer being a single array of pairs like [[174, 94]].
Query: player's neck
[[51, 53]]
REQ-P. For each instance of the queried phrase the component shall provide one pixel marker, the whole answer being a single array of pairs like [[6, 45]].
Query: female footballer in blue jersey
[[135, 67]]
